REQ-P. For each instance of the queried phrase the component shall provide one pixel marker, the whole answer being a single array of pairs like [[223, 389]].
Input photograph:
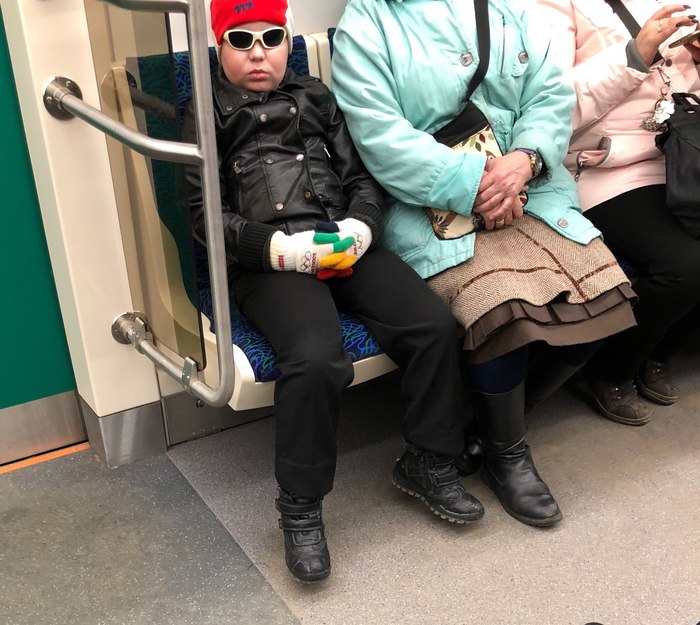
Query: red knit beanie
[[227, 14]]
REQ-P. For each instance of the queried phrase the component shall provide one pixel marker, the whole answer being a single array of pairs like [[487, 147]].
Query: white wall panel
[[76, 195]]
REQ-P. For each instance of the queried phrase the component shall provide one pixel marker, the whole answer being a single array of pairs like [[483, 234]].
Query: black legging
[[638, 226], [504, 373]]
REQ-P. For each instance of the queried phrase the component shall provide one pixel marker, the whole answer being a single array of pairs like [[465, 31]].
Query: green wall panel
[[35, 354]]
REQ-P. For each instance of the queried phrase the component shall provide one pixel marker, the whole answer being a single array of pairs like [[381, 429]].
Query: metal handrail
[[62, 101], [173, 151]]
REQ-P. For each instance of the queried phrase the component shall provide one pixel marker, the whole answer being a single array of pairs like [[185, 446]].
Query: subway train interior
[[136, 419]]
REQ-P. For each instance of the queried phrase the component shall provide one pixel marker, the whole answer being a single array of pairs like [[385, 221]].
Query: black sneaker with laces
[[305, 548], [655, 383], [620, 402], [435, 479]]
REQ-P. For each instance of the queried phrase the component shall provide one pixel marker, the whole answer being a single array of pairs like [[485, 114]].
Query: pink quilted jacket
[[616, 152]]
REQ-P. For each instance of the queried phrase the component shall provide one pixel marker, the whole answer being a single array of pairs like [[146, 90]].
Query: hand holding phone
[[694, 36]]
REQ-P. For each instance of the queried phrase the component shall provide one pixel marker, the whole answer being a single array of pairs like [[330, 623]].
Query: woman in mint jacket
[[534, 291]]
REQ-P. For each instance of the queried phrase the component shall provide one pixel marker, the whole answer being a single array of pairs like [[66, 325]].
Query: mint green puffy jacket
[[400, 72]]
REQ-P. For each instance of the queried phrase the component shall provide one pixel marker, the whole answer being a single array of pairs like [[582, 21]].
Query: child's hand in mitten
[[304, 251], [344, 229]]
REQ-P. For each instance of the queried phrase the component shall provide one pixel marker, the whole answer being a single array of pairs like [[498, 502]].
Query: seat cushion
[[358, 342]]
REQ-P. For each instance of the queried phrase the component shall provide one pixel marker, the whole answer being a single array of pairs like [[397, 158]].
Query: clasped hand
[[330, 251], [504, 178]]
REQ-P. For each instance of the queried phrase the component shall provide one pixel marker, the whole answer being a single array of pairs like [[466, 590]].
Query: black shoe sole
[[617, 418], [461, 519], [651, 395], [312, 580], [548, 522], [534, 522]]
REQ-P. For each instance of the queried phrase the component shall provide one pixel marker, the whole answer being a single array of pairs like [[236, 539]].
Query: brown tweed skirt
[[528, 283]]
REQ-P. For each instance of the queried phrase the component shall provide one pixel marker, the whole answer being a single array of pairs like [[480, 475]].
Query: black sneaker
[[435, 479], [654, 382], [305, 548]]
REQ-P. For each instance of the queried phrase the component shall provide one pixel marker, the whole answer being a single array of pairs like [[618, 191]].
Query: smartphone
[[694, 36]]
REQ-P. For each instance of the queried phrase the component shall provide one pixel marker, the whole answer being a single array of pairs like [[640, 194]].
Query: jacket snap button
[[307, 195], [523, 57], [466, 59], [244, 96], [279, 206], [263, 118], [669, 62], [229, 108], [269, 161], [293, 110], [562, 223], [300, 157]]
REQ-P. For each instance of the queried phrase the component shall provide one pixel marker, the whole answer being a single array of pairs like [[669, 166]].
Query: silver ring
[[500, 222], [661, 25]]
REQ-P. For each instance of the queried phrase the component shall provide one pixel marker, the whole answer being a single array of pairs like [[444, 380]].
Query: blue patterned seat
[[165, 89]]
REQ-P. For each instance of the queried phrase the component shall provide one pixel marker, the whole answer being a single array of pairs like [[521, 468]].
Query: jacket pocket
[[584, 159], [513, 58], [517, 52], [407, 231], [234, 191]]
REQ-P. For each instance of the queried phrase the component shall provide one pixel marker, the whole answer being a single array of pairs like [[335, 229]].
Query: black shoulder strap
[[483, 37], [628, 20]]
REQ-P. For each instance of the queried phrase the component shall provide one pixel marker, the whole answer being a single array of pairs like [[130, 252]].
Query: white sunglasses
[[240, 39]]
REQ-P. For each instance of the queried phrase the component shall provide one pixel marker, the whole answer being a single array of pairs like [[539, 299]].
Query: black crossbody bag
[[470, 131]]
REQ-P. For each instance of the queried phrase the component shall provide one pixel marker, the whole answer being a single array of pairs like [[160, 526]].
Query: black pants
[[299, 316], [638, 226]]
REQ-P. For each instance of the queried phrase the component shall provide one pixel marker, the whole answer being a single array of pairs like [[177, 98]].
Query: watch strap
[[535, 160]]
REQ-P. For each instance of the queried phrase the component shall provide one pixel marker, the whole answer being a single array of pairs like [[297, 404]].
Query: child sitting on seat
[[303, 223]]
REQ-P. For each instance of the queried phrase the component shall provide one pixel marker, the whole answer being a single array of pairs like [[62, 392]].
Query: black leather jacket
[[286, 161]]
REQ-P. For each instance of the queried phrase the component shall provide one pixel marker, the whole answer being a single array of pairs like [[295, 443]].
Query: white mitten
[[360, 231], [298, 252]]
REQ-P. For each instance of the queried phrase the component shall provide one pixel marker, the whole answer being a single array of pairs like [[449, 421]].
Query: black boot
[[543, 383], [435, 479], [470, 459], [305, 548], [508, 469]]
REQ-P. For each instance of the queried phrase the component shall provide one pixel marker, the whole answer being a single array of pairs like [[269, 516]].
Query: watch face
[[536, 164]]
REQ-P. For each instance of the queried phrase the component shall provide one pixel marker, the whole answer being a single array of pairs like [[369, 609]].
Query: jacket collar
[[230, 97]]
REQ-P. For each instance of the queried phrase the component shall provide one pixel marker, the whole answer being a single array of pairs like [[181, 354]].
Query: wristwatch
[[536, 163]]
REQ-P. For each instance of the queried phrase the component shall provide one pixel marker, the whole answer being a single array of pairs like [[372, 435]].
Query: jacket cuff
[[371, 215], [254, 246], [634, 59]]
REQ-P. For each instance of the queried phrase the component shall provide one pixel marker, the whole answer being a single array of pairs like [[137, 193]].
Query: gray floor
[[627, 552], [84, 545], [147, 544]]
